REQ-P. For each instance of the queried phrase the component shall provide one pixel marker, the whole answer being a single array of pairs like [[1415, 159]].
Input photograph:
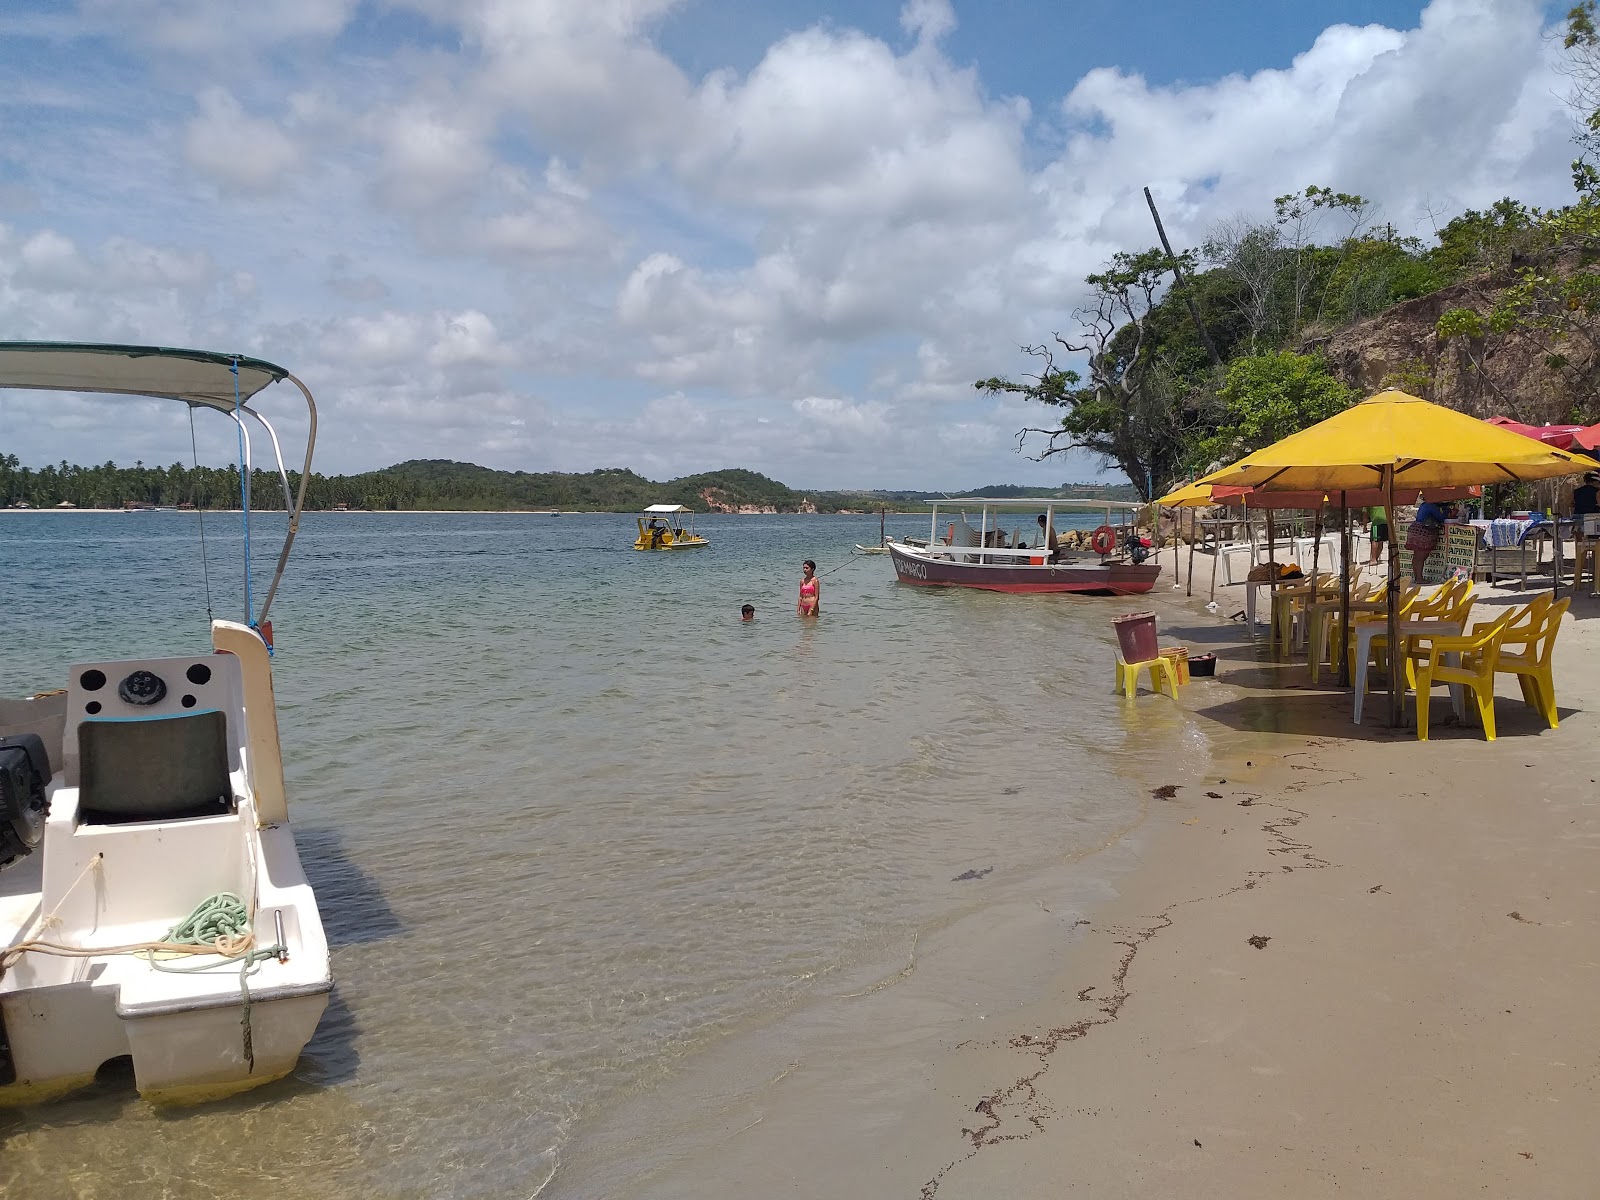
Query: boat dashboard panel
[[144, 689]]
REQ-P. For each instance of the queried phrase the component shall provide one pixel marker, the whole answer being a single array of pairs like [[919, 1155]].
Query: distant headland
[[443, 485]]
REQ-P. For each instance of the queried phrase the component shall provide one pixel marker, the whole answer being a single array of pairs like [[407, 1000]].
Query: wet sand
[[1329, 961]]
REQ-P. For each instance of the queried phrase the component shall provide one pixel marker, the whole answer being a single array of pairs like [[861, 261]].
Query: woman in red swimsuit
[[810, 591]]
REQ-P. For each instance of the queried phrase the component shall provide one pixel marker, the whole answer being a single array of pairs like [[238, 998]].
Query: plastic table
[[1409, 631], [1317, 628]]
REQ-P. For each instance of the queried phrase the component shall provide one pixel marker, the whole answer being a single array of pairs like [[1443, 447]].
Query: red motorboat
[[986, 557]]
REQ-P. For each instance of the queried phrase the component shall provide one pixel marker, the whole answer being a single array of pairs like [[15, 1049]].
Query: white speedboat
[[152, 903]]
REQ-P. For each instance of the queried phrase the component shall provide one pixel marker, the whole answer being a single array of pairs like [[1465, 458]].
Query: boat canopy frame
[[986, 553], [199, 378]]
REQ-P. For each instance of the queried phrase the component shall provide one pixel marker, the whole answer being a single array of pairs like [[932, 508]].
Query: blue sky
[[679, 235]]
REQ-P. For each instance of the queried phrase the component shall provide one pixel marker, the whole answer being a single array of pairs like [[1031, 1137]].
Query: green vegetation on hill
[[1182, 361], [442, 484]]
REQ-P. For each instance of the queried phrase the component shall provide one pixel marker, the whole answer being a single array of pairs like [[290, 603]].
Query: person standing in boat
[[810, 591]]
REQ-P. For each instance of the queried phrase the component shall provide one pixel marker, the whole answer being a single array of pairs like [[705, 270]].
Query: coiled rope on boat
[[220, 922], [219, 926]]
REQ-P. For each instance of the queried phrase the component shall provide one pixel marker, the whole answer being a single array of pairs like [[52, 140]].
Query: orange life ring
[[1104, 540]]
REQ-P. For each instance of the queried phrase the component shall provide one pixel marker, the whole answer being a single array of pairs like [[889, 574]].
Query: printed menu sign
[[1458, 546]]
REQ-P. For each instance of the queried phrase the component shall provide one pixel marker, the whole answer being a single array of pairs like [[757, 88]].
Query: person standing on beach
[[810, 591], [1377, 532]]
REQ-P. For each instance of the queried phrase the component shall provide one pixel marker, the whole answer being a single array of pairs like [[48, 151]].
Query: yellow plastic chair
[[1378, 646], [1532, 667], [1290, 606], [1163, 676], [1359, 594], [1443, 600], [1479, 655], [1527, 622], [1452, 608]]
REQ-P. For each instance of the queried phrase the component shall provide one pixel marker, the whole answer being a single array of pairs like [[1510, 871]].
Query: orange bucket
[[1180, 661]]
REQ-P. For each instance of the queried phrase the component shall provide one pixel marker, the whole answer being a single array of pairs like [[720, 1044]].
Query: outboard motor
[[1135, 546], [24, 772]]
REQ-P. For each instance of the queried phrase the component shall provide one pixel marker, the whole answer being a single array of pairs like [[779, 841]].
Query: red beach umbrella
[[1588, 439], [1559, 436]]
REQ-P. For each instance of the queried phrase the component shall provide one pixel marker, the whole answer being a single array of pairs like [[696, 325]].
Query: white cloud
[[238, 150], [469, 338], [429, 155], [927, 20], [199, 27], [526, 233]]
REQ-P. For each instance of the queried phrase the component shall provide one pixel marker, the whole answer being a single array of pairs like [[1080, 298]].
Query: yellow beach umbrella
[[1190, 495], [1399, 443], [1398, 438]]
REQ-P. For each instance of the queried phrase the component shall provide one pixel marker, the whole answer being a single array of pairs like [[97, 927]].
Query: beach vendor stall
[[1397, 443]]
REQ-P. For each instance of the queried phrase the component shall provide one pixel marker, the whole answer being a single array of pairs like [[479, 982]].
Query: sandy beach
[[1334, 961]]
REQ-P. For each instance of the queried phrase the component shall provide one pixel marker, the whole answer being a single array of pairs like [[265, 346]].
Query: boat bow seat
[[156, 768]]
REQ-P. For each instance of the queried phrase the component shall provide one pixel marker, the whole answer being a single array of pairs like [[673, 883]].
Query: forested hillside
[[441, 484], [1184, 361]]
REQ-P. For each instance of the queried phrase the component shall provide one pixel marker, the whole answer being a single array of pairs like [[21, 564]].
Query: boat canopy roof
[[194, 376], [1035, 502], [668, 508]]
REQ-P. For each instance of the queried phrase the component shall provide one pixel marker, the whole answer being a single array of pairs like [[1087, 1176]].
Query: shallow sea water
[[569, 819]]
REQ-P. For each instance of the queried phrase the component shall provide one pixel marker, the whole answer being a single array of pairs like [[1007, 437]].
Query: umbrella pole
[[1555, 568], [1216, 552], [1272, 586], [1344, 589], [1316, 549], [1194, 516], [1396, 715]]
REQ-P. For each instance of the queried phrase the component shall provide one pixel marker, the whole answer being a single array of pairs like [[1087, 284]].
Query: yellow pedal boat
[[667, 527]]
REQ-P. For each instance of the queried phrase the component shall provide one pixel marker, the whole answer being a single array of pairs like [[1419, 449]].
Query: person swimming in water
[[810, 591]]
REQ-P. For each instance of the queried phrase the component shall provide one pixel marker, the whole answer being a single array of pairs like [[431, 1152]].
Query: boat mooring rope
[[220, 925]]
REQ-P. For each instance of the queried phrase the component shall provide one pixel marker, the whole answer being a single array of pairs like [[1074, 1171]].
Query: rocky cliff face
[[1495, 375]]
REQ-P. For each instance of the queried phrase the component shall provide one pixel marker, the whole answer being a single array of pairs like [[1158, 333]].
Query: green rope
[[223, 915], [218, 920]]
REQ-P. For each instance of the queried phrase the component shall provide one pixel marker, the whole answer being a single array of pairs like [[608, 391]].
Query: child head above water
[[747, 613]]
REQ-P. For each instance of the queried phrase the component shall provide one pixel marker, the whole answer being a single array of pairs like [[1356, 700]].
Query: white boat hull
[[102, 882], [178, 1058], [152, 903]]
